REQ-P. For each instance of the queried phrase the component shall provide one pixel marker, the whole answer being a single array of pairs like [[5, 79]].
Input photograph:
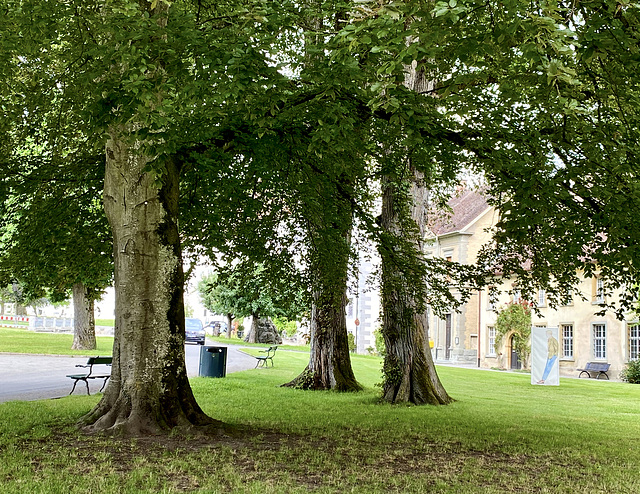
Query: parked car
[[194, 332]]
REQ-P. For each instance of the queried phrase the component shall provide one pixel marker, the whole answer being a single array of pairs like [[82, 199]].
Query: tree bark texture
[[149, 391], [229, 327], [252, 335], [330, 361], [409, 372], [84, 324]]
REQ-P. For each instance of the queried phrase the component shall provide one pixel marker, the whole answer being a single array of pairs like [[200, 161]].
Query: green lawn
[[18, 340], [502, 435]]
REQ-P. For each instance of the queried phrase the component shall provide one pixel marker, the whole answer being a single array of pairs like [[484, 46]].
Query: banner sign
[[545, 349]]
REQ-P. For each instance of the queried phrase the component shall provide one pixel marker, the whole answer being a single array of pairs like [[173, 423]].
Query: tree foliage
[[247, 289]]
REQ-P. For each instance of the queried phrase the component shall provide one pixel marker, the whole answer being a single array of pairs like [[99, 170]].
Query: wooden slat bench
[[598, 368], [263, 360], [91, 362]]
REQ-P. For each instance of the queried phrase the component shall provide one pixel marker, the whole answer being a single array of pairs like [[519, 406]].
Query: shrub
[[352, 342], [379, 342], [631, 372]]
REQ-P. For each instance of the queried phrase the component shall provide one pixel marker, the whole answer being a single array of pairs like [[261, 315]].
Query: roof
[[466, 206]]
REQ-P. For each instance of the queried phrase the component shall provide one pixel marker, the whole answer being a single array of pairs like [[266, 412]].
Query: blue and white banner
[[545, 351]]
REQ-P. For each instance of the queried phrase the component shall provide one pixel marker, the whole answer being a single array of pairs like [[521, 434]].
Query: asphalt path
[[37, 377]]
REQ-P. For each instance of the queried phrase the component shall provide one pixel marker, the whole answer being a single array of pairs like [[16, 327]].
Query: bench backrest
[[271, 350], [100, 361], [597, 366]]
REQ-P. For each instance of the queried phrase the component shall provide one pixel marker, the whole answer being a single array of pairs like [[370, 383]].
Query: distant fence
[[13, 321], [51, 324]]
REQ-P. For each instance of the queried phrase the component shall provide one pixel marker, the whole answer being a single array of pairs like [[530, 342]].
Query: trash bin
[[213, 361]]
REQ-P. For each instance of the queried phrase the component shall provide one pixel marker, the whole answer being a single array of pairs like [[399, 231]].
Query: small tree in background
[[248, 289], [515, 320]]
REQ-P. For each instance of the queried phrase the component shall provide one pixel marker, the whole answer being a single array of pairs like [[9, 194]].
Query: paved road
[[35, 377]]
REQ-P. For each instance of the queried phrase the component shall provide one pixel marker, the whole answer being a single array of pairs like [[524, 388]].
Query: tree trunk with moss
[[148, 391], [409, 372], [84, 324], [330, 361]]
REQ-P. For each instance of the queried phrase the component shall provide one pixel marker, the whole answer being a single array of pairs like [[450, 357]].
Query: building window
[[542, 298], [634, 341], [599, 292], [567, 340], [516, 296], [568, 300], [491, 333], [492, 298], [599, 341]]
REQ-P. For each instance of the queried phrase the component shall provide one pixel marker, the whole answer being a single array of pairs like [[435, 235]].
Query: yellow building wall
[[581, 314]]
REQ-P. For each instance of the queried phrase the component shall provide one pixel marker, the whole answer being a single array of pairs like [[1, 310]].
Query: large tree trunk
[[409, 372], [84, 324], [330, 361], [229, 321], [252, 335], [149, 391]]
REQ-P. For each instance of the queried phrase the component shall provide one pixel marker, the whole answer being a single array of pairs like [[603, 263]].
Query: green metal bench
[[263, 360], [91, 362]]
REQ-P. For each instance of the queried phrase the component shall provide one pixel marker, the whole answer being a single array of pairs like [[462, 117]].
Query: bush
[[352, 342], [285, 327], [631, 372], [379, 342]]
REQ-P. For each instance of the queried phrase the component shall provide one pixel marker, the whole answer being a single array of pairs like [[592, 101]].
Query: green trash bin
[[213, 361]]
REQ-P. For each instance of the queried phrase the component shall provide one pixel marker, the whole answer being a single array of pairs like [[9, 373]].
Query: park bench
[[263, 360], [598, 368], [102, 363]]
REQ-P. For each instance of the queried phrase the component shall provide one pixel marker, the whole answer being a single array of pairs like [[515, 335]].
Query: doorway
[[515, 359], [447, 337]]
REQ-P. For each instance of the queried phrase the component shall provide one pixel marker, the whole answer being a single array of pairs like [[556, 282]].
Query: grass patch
[[502, 435], [18, 340], [106, 322], [241, 342]]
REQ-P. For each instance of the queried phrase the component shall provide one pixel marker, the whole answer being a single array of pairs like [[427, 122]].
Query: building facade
[[469, 335], [584, 335], [458, 237]]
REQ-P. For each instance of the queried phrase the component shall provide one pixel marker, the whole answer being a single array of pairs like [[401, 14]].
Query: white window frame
[[542, 298], [516, 296], [599, 340], [633, 340], [599, 291], [567, 334], [569, 301], [492, 299], [491, 341]]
